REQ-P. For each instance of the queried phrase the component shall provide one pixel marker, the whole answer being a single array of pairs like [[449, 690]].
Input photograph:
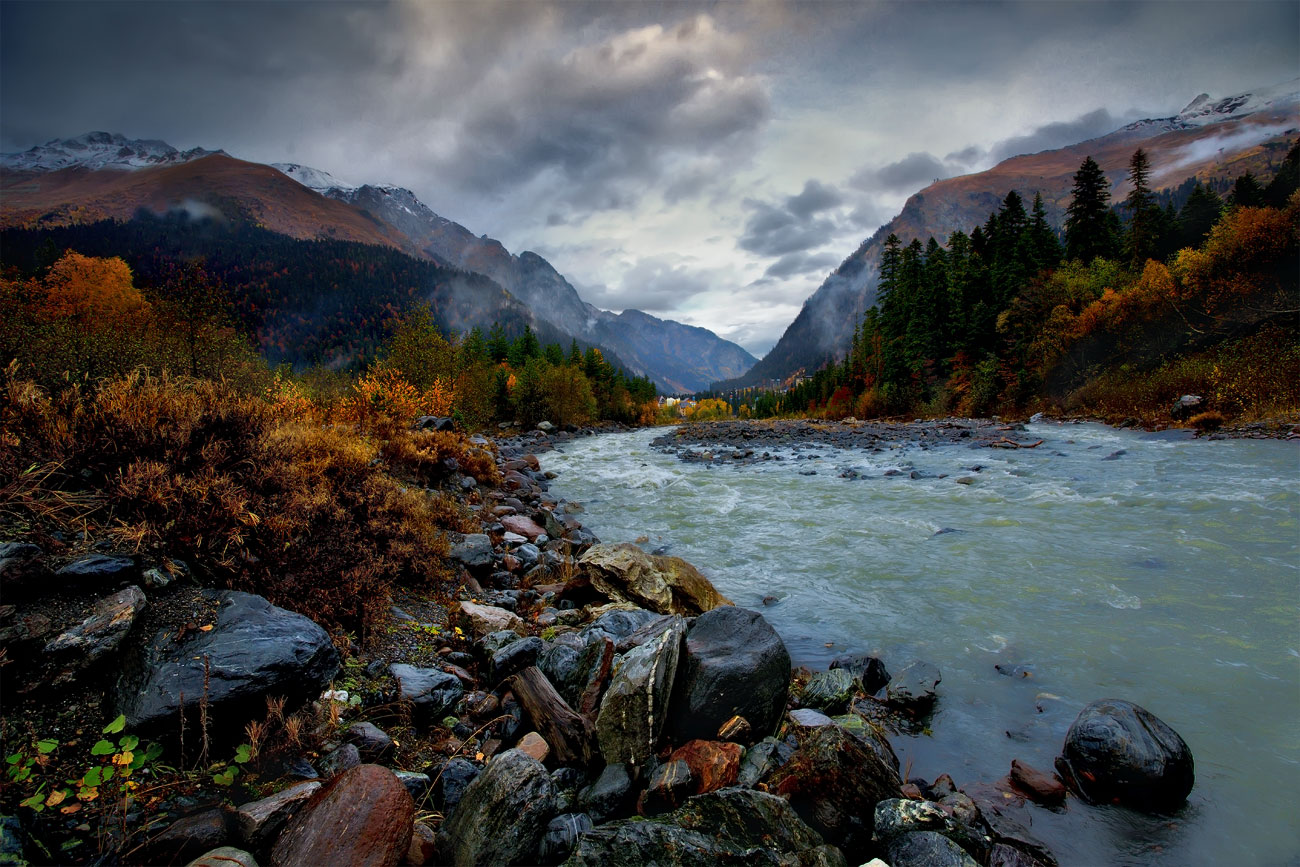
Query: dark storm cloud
[[815, 197], [653, 284]]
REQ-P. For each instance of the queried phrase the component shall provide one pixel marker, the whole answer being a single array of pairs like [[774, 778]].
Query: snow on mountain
[[315, 179], [99, 150], [1205, 109]]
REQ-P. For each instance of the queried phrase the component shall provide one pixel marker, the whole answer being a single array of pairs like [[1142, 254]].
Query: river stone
[[609, 795], [927, 849], [503, 815], [1042, 787], [259, 822], [361, 817], [914, 686], [635, 707], [896, 816], [763, 759], [670, 785], [372, 742], [806, 717], [338, 760], [835, 782], [733, 663], [869, 735], [619, 623], [486, 618], [224, 856], [103, 631], [869, 671], [561, 835], [1119, 752], [452, 781], [730, 826], [188, 837], [714, 764], [21, 568], [473, 550], [515, 656], [254, 650], [829, 691], [434, 693], [525, 527], [665, 585]]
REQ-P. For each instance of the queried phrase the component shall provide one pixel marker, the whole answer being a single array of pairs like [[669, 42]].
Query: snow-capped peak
[[315, 179], [1205, 109], [100, 150]]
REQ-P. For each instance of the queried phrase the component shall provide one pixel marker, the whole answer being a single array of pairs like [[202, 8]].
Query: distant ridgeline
[[303, 301], [1188, 291]]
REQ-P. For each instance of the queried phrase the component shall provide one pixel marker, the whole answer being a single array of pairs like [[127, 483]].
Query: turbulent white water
[[1168, 576]]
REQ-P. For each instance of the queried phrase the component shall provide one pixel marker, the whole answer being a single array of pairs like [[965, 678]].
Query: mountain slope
[[679, 358], [1209, 138]]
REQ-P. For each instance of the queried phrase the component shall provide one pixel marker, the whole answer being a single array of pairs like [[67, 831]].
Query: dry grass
[[307, 515]]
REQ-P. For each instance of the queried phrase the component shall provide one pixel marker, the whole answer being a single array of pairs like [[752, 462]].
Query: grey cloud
[[773, 231], [653, 284], [801, 263], [816, 197], [1058, 134], [916, 170]]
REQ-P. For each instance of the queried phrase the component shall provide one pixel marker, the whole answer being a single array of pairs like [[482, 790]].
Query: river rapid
[[1168, 575]]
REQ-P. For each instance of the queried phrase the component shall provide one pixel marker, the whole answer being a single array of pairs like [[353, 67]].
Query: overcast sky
[[706, 162]]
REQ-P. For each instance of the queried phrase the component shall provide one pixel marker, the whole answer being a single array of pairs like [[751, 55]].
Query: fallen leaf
[[207, 628], [70, 809]]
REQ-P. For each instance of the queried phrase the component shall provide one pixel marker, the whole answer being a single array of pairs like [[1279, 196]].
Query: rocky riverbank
[[567, 702]]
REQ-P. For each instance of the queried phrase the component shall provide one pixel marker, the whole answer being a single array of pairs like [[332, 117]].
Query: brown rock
[[670, 785], [714, 765], [259, 822], [912, 791], [488, 618], [424, 846], [523, 526], [1041, 787], [534, 745], [362, 817], [225, 856]]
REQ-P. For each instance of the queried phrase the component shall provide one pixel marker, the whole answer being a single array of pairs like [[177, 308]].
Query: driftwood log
[[571, 735]]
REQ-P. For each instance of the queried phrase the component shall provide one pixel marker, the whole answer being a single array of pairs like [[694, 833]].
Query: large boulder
[[835, 782], [1118, 752], [666, 585], [733, 663], [634, 708], [361, 817], [254, 650], [503, 815], [730, 826], [927, 849]]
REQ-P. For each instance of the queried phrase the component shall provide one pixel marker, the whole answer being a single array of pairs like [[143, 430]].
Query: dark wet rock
[[490, 643], [869, 671], [372, 742], [567, 782], [618, 624], [98, 571], [914, 686], [835, 782], [733, 663], [806, 717], [188, 837], [21, 568], [610, 795], [103, 631], [336, 761], [870, 735], [1003, 819], [1115, 455], [736, 730], [1041, 787], [899, 816], [1119, 752], [13, 841], [632, 711], [260, 822], [1003, 855], [829, 691], [561, 836], [474, 550], [416, 784], [452, 781], [515, 656], [669, 787], [254, 650], [763, 759], [643, 634], [503, 815], [432, 692], [665, 585], [730, 826], [435, 423], [362, 817], [927, 849]]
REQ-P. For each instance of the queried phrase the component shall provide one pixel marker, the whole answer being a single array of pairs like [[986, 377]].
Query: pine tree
[[1247, 193], [1088, 229], [1140, 242], [1043, 245], [1201, 211]]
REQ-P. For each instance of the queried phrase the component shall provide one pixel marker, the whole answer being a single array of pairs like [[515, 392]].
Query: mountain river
[[1168, 575]]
